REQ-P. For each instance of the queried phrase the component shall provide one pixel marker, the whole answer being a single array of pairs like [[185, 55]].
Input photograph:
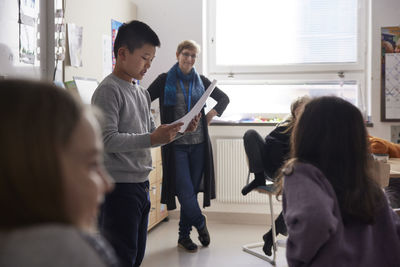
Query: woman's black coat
[[207, 185]]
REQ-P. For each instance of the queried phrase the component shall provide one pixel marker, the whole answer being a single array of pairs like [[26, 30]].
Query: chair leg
[[271, 207], [250, 248]]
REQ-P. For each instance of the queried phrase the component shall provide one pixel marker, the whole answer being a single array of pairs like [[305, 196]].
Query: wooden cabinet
[[158, 211]]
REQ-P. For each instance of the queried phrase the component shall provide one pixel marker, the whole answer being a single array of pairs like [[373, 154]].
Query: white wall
[[173, 21], [95, 18]]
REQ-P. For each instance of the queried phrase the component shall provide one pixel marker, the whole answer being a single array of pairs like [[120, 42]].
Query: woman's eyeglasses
[[189, 55]]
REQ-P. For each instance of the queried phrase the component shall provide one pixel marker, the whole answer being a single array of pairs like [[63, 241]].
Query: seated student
[[336, 214], [382, 146], [52, 179], [397, 47], [267, 156]]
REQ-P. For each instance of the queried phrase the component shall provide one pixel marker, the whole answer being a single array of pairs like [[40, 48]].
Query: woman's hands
[[193, 124], [210, 115]]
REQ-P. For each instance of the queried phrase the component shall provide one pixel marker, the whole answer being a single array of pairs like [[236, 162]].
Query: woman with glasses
[[187, 162]]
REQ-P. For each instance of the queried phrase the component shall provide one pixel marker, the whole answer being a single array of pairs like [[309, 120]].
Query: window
[[258, 102], [279, 50]]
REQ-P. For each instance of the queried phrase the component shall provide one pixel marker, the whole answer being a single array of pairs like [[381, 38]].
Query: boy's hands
[[193, 124], [164, 133]]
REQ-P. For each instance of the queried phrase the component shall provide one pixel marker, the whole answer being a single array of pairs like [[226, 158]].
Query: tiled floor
[[225, 248]]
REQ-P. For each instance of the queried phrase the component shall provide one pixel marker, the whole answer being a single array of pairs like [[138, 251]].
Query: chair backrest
[[381, 172]]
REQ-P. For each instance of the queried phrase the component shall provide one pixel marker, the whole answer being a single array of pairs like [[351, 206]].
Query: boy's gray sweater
[[126, 130]]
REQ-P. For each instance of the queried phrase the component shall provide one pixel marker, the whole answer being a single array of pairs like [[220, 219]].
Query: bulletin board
[[19, 45], [390, 74]]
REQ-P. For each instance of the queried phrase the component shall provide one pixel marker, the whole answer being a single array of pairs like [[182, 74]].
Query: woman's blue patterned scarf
[[173, 75]]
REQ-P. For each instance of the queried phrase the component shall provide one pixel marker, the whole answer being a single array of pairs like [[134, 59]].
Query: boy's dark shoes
[[187, 244], [204, 236]]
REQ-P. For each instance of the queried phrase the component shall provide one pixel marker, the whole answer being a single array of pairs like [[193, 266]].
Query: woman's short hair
[[37, 120], [188, 44]]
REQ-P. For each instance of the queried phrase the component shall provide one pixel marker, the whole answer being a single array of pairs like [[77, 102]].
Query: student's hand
[[193, 124], [164, 133], [210, 115]]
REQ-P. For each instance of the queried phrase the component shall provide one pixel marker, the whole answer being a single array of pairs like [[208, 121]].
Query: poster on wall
[[75, 44], [390, 74], [27, 43], [114, 30], [107, 58], [28, 15]]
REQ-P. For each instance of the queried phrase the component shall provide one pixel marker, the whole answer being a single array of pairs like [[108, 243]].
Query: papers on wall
[[27, 39], [28, 14], [107, 57], [28, 8], [392, 85], [197, 108], [75, 44], [390, 74], [114, 30]]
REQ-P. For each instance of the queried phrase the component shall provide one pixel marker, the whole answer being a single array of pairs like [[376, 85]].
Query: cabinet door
[[158, 211], [161, 211], [153, 176]]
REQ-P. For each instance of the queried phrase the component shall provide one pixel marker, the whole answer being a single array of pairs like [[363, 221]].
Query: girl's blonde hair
[[295, 111]]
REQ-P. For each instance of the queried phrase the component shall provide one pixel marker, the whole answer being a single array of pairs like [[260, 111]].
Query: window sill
[[233, 123]]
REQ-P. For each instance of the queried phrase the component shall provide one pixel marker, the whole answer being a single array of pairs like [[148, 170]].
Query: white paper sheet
[[107, 55], [75, 44], [197, 108], [86, 88]]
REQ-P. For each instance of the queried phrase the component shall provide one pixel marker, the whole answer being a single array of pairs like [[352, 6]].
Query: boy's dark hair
[[331, 135], [134, 35]]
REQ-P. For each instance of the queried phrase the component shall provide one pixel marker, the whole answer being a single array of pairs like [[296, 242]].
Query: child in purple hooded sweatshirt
[[336, 214]]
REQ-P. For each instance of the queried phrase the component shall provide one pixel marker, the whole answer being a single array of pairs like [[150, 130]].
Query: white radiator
[[231, 173]]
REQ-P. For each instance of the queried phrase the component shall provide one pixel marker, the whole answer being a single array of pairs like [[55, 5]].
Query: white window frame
[[214, 69], [291, 73]]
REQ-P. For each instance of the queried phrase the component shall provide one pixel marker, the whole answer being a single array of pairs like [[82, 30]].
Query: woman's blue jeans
[[189, 166]]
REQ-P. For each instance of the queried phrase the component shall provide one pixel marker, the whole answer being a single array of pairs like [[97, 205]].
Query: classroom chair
[[253, 248]]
